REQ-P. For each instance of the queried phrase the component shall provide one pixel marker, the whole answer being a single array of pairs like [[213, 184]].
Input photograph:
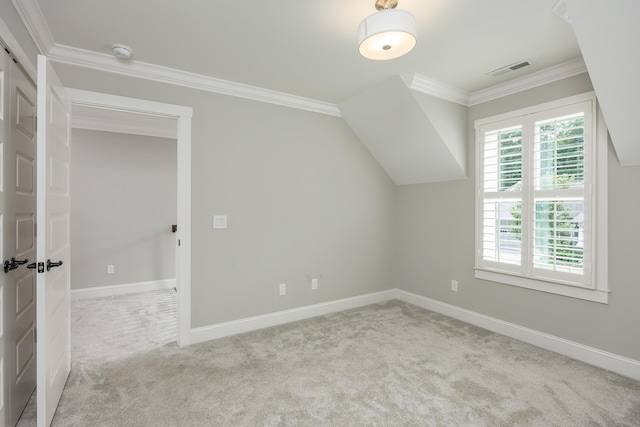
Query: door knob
[[13, 264], [8, 266], [51, 265]]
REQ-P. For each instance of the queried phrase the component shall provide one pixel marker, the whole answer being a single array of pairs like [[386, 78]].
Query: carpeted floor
[[384, 364]]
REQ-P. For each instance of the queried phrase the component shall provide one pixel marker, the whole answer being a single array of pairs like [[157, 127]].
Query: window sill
[[598, 296]]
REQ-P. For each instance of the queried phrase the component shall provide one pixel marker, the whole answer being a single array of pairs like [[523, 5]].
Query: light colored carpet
[[384, 364]]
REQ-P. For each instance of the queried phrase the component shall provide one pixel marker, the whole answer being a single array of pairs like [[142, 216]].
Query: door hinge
[[35, 230], [35, 335]]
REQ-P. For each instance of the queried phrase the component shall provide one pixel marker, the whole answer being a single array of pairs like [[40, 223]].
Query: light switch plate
[[219, 221]]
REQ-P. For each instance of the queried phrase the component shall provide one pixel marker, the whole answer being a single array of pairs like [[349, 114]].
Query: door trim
[[182, 116]]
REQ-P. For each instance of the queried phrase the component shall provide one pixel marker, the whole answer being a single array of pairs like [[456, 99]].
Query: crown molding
[[32, 16], [13, 45], [530, 81], [441, 90], [103, 62], [426, 85], [33, 19]]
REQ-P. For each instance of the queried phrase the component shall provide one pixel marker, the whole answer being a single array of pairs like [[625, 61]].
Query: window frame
[[595, 189]]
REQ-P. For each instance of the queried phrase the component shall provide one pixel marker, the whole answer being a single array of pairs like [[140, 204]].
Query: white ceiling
[[303, 53], [309, 48]]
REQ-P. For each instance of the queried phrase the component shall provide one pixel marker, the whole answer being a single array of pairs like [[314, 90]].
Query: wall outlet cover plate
[[219, 221]]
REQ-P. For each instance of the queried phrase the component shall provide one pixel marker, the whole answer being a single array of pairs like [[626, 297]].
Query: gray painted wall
[[325, 206], [123, 202], [303, 197], [434, 244]]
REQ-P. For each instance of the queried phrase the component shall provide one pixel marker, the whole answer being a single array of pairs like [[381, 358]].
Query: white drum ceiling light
[[387, 34]]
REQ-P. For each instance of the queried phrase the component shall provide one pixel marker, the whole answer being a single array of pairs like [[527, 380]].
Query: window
[[536, 199]]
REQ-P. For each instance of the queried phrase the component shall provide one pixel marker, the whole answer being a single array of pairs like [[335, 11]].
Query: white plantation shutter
[[561, 166], [534, 209], [502, 194]]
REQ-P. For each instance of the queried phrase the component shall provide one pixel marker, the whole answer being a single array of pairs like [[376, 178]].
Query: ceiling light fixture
[[122, 51], [387, 34]]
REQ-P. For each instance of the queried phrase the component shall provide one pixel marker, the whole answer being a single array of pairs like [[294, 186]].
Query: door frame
[[182, 116]]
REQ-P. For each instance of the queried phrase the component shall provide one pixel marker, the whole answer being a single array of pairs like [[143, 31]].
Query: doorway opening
[[174, 121]]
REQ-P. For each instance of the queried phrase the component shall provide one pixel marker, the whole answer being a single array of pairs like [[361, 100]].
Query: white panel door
[[53, 285], [17, 227], [21, 295]]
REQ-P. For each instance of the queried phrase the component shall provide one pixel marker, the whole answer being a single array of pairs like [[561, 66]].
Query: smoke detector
[[122, 51]]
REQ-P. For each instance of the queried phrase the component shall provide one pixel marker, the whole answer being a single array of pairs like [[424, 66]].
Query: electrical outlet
[[314, 284], [454, 285], [111, 269], [283, 289]]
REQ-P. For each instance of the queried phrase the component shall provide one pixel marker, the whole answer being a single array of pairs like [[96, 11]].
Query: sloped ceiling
[[416, 138], [608, 34]]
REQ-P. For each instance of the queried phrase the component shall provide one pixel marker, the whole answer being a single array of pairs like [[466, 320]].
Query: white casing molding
[[182, 119], [114, 121], [123, 289], [593, 356]]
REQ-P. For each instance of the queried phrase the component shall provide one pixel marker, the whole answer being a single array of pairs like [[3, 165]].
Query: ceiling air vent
[[560, 9], [511, 67]]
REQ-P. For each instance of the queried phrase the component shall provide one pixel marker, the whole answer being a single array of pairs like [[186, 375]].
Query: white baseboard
[[593, 356], [220, 330], [127, 288]]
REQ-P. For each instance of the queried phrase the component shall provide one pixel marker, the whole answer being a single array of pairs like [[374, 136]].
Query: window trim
[[599, 149]]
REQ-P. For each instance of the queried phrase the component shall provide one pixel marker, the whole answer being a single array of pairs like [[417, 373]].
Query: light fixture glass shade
[[387, 34]]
